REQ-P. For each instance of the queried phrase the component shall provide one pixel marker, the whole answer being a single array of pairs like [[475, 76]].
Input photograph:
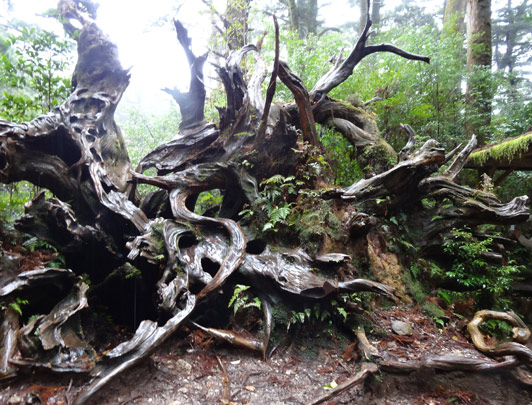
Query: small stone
[[182, 367], [402, 328], [15, 399], [250, 388]]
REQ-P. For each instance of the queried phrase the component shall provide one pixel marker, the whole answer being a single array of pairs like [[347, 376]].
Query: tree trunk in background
[[479, 93], [236, 15], [363, 13], [510, 41], [312, 16], [303, 16], [294, 19], [454, 15], [376, 11]]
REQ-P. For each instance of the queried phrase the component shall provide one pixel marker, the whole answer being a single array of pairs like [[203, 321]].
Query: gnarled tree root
[[367, 369], [516, 349]]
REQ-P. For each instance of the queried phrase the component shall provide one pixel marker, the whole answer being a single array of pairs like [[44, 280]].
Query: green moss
[[414, 287], [366, 118], [379, 157], [314, 223], [432, 310], [506, 150]]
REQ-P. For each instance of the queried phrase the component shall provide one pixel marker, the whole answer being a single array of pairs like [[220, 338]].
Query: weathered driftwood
[[521, 334]]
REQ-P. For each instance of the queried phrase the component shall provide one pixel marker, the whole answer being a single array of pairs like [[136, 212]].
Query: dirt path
[[186, 371]]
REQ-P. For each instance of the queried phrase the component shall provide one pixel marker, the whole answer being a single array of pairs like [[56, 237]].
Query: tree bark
[[454, 15], [479, 92], [363, 4]]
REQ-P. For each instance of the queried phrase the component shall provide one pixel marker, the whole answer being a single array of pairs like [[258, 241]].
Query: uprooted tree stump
[[100, 224]]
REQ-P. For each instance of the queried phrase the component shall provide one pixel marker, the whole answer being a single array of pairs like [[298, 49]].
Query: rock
[[15, 399], [402, 328], [182, 367]]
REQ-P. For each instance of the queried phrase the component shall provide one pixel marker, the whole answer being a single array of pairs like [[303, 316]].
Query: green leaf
[[342, 312]]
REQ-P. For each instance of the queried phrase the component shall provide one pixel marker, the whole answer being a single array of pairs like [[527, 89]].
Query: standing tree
[[454, 14], [479, 92]]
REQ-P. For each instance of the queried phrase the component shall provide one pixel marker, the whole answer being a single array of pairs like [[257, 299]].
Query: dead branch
[[226, 383], [191, 103], [460, 160], [259, 139], [296, 86], [343, 69], [408, 149], [366, 370], [364, 346], [450, 363]]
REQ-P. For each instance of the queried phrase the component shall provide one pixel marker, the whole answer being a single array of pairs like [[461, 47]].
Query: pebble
[[15, 399], [402, 328], [182, 367]]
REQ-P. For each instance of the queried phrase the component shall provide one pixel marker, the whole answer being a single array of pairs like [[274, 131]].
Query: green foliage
[[487, 283], [310, 315], [428, 97], [35, 243], [36, 73], [17, 305], [144, 132], [12, 200], [132, 273], [34, 77], [208, 200], [274, 203], [500, 329], [435, 312], [341, 153], [242, 298], [414, 285]]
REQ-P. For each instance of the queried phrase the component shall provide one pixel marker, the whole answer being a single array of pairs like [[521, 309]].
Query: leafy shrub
[[486, 282], [36, 72]]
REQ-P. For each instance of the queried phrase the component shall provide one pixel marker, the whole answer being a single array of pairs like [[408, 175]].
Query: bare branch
[[338, 74], [373, 100], [459, 162], [271, 89], [367, 369], [296, 86], [407, 150], [191, 103], [394, 49]]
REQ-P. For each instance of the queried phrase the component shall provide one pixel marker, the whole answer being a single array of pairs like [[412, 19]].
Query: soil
[[189, 369], [192, 368]]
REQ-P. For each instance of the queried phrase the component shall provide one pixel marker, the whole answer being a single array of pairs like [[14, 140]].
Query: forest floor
[[191, 368], [182, 372]]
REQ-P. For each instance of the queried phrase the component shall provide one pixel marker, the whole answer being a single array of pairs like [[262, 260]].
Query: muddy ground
[[194, 369]]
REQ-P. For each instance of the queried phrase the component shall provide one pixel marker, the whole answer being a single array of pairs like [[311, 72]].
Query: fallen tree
[[101, 225]]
